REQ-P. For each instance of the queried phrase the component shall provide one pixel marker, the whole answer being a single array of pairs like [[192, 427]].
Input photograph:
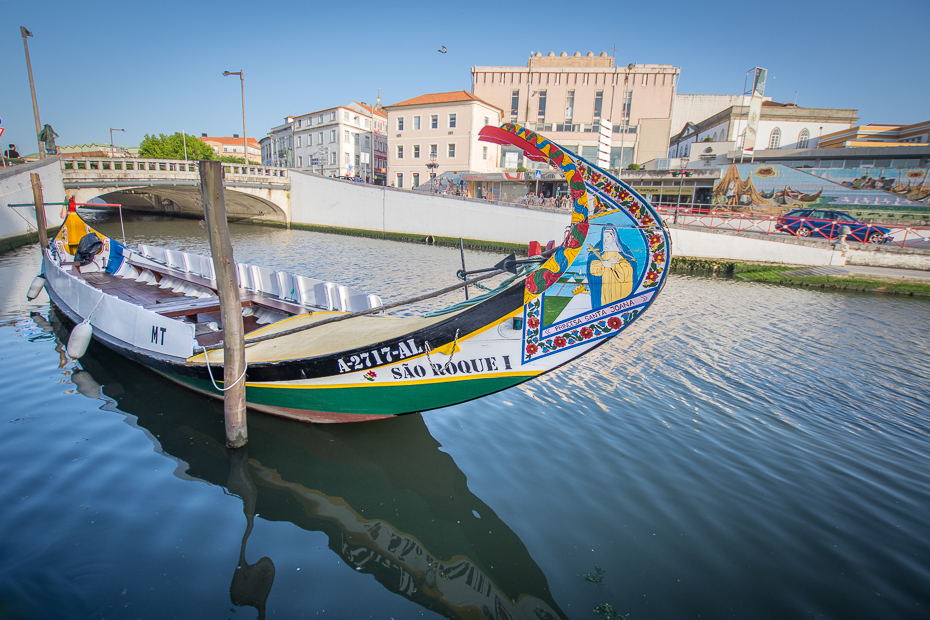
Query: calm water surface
[[742, 451]]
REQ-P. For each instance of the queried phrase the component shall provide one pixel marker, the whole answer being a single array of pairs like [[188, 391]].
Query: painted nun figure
[[611, 269]]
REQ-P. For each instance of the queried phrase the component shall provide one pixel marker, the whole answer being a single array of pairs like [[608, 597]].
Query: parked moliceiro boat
[[317, 351]]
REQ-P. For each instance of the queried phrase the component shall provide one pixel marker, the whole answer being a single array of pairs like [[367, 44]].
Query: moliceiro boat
[[320, 352]]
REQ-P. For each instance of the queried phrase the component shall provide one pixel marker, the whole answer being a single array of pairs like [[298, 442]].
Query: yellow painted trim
[[451, 379]]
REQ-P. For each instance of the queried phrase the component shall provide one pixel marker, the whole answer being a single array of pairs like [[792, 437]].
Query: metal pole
[[112, 148], [32, 87], [245, 136], [214, 208], [184, 139], [41, 225]]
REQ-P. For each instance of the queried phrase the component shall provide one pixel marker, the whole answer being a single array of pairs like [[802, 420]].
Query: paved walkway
[[885, 272]]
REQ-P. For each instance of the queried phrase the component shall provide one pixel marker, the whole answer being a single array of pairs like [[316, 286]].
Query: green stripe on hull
[[382, 400]]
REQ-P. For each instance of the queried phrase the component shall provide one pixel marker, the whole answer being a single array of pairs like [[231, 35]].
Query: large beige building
[[440, 128], [569, 99]]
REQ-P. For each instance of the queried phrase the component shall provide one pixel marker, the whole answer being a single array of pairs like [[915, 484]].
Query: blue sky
[[155, 67]]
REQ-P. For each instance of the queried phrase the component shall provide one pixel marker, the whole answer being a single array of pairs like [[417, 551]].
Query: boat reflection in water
[[392, 504]]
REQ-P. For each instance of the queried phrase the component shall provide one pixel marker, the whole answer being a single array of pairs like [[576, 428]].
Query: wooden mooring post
[[214, 209], [41, 223]]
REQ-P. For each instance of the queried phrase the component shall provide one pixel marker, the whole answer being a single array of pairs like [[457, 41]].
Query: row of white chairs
[[280, 284]]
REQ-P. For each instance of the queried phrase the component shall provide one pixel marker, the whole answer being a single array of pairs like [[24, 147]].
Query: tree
[[172, 147], [633, 167]]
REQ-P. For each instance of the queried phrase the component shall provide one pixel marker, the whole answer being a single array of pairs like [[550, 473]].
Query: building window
[[298, 141], [434, 121], [804, 138], [309, 139], [487, 121], [367, 142], [484, 152], [356, 139], [400, 179], [400, 151], [542, 106], [775, 138], [416, 123], [598, 103], [367, 123], [416, 151], [332, 135], [452, 121], [298, 122], [627, 104], [345, 116], [400, 123], [300, 161], [345, 158], [345, 136], [319, 122], [332, 159], [514, 105], [332, 115], [569, 106], [416, 179], [451, 151], [357, 162]]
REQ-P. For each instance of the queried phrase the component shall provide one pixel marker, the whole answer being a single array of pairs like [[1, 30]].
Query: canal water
[[743, 450]]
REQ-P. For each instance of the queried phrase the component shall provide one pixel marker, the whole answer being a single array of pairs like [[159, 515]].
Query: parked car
[[822, 223], [345, 178]]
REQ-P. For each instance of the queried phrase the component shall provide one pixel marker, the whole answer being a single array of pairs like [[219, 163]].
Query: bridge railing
[[152, 167]]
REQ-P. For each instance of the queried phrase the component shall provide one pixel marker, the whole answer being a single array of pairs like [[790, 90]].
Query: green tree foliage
[[633, 167], [172, 147]]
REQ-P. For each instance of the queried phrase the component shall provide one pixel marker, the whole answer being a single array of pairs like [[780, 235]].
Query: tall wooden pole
[[40, 209], [214, 208], [32, 87]]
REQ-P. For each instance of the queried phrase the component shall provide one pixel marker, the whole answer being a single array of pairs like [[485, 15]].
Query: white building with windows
[[345, 140], [440, 128], [279, 151], [781, 126]]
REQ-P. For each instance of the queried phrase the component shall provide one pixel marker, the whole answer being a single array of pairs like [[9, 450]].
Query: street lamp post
[[112, 148], [245, 137], [32, 87]]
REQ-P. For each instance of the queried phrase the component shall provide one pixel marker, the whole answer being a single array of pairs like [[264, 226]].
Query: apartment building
[[347, 140], [440, 129], [233, 146], [606, 113]]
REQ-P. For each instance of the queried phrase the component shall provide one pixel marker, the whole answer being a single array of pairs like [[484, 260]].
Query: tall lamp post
[[32, 87], [112, 148], [245, 137]]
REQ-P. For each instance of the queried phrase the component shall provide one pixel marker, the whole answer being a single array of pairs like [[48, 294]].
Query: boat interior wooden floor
[[326, 339]]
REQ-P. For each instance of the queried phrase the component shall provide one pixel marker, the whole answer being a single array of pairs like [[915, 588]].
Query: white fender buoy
[[86, 385], [36, 287], [80, 338]]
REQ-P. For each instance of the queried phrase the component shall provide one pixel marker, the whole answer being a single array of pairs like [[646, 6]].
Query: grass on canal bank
[[782, 274]]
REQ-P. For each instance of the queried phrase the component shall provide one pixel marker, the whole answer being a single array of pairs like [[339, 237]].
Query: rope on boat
[[522, 271], [206, 356], [352, 315]]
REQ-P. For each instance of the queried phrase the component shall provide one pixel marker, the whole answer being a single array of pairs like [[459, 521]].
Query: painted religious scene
[[862, 192]]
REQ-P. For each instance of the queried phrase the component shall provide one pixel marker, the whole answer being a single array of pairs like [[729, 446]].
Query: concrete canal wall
[[321, 201], [17, 224]]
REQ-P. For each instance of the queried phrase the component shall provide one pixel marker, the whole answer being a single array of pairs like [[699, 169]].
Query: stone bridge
[[172, 186]]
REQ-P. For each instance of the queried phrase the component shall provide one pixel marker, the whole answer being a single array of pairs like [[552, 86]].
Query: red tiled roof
[[454, 96], [224, 140]]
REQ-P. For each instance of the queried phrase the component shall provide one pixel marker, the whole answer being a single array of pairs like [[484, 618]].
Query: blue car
[[821, 223]]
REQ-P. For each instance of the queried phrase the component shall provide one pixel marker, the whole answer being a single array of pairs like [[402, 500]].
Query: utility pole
[[32, 87], [112, 149], [245, 137]]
